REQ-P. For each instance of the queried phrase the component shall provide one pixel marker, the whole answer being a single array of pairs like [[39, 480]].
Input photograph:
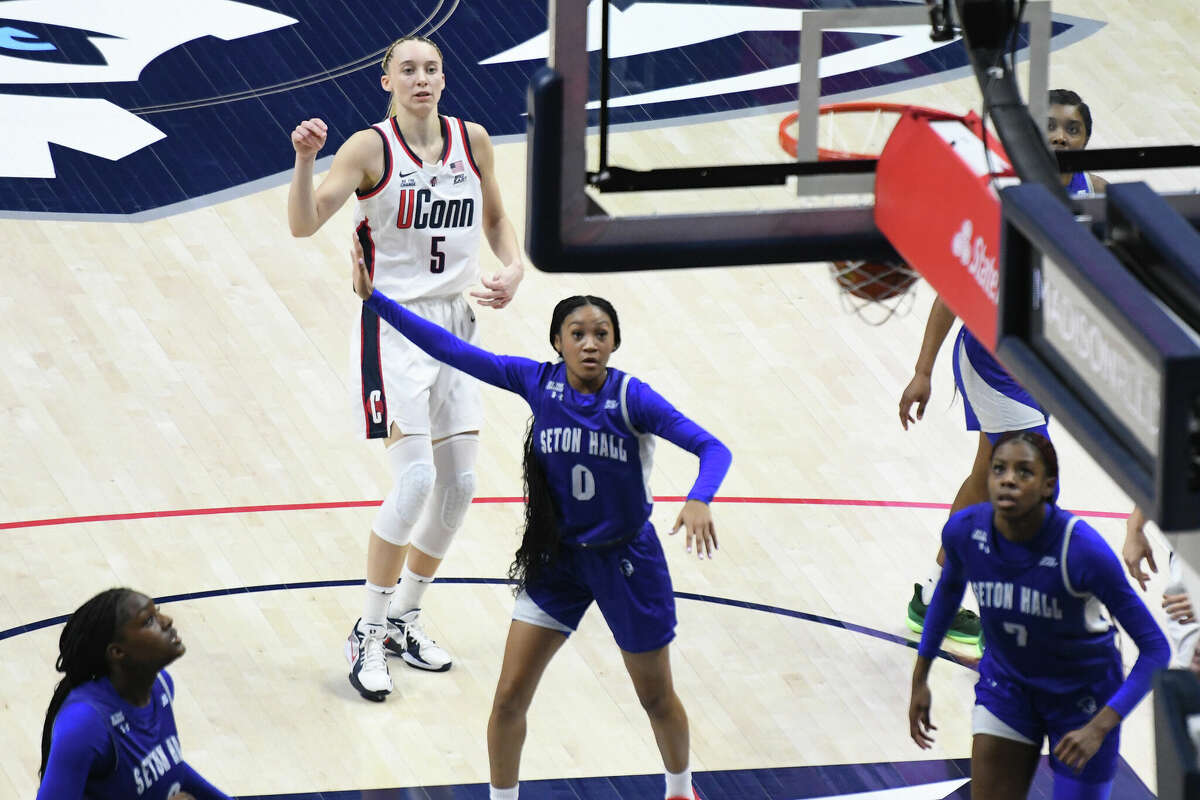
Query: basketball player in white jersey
[[426, 191]]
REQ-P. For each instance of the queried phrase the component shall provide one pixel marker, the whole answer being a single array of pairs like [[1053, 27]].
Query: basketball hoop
[[874, 290], [855, 143]]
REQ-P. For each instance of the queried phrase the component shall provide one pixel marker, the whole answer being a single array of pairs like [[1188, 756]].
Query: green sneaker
[[965, 628]]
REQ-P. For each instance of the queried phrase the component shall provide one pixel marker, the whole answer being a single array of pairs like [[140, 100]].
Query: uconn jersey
[[110, 748], [420, 225]]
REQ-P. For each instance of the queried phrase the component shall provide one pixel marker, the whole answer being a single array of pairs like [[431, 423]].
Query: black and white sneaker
[[406, 639], [368, 663]]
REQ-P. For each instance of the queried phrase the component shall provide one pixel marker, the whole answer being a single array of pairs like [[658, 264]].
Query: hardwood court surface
[[198, 361]]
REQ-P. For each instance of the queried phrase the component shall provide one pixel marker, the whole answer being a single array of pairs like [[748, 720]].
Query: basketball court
[[176, 416]]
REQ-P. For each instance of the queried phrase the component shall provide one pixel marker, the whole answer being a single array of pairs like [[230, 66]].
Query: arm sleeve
[[195, 785], [947, 597], [650, 412], [78, 745], [506, 372], [1094, 567]]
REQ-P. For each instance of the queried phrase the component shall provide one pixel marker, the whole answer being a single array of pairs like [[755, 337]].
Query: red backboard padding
[[935, 204]]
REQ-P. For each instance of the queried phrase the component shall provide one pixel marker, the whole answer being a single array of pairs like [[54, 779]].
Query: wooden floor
[[198, 362]]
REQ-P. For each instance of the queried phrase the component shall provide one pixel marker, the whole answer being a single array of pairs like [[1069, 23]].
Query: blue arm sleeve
[[79, 745], [506, 372], [650, 412], [947, 597], [192, 783], [1093, 567]]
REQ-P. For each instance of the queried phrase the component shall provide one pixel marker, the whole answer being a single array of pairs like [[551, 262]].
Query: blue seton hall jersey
[[1081, 183], [598, 464], [1043, 605], [596, 448], [105, 748]]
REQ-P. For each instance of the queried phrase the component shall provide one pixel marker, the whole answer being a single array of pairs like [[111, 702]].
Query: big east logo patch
[[142, 108]]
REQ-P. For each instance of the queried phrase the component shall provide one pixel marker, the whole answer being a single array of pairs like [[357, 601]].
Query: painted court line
[[198, 512]]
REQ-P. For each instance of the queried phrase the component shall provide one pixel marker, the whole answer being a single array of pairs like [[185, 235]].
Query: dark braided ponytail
[[82, 649], [540, 541]]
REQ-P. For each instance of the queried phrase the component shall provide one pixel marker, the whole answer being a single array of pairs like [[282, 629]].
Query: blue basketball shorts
[[1036, 714], [629, 582], [994, 403]]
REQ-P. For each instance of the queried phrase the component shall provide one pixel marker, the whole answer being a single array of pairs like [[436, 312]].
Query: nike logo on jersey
[[1048, 561], [406, 174]]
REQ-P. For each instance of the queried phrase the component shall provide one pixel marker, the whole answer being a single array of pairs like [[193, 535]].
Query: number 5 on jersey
[[438, 261]]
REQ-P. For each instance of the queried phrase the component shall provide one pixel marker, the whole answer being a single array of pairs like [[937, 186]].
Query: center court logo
[[57, 45], [148, 107]]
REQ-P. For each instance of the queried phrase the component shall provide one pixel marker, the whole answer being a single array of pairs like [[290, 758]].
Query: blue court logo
[[51, 52], [148, 107]]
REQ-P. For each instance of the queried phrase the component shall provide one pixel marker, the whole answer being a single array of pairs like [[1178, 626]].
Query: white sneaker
[[368, 663], [406, 639]]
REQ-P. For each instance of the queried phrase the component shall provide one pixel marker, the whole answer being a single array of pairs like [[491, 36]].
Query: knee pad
[[453, 491], [413, 471], [456, 499]]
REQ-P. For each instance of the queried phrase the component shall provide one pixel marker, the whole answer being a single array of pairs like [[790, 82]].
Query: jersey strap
[[624, 393], [466, 143], [1062, 561], [166, 688], [387, 167]]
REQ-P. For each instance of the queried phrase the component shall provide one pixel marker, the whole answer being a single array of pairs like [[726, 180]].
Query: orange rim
[[788, 142]]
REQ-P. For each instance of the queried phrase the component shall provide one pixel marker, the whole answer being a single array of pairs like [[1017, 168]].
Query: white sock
[[931, 584], [409, 592], [502, 794], [679, 784], [376, 605]]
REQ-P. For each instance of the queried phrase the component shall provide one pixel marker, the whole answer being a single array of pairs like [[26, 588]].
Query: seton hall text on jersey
[[570, 440], [1000, 594], [419, 210], [157, 763]]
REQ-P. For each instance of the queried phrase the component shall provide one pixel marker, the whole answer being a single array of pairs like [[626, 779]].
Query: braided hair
[[540, 538], [82, 652], [1040, 444]]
